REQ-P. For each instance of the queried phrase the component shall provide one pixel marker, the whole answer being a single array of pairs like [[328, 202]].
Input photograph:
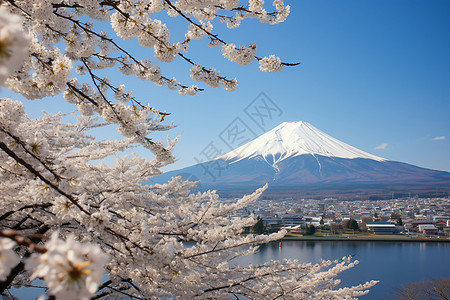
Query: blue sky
[[373, 74]]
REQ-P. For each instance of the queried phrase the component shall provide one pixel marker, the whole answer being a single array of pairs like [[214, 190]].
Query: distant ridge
[[299, 160]]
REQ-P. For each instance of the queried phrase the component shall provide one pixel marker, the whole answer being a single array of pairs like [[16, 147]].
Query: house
[[440, 225], [416, 223], [428, 229]]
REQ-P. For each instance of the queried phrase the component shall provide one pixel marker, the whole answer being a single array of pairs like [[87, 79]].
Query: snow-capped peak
[[291, 139]]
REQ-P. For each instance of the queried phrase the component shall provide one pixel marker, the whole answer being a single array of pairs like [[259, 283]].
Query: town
[[411, 217]]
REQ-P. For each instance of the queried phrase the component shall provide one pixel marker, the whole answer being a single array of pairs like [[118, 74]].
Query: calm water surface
[[393, 263]]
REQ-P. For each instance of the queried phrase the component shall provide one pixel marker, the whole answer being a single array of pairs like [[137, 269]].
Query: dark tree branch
[[30, 168], [9, 213]]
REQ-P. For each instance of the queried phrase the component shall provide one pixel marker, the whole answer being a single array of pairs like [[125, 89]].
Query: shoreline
[[365, 239]]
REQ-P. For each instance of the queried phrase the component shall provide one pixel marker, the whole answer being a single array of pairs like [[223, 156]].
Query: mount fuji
[[298, 160]]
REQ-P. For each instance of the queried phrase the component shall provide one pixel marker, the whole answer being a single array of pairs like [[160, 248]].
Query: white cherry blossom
[[270, 64], [8, 258], [13, 44], [70, 270]]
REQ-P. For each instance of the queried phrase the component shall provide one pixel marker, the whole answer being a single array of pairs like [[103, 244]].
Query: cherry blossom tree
[[94, 230]]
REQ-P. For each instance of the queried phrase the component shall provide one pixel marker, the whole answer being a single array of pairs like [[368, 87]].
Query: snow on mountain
[[290, 139]]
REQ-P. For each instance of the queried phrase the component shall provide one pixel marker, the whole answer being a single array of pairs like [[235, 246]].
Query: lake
[[393, 263]]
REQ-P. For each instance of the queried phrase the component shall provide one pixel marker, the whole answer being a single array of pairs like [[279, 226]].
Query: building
[[380, 227], [428, 229]]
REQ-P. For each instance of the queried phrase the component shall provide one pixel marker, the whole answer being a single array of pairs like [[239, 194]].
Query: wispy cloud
[[382, 146], [439, 138]]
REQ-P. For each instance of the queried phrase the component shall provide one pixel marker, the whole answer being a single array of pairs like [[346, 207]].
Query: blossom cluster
[[70, 270], [212, 78], [270, 64], [11, 113], [13, 44], [8, 258], [242, 56], [50, 72]]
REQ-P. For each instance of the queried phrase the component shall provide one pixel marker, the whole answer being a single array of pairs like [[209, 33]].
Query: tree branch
[[40, 176]]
